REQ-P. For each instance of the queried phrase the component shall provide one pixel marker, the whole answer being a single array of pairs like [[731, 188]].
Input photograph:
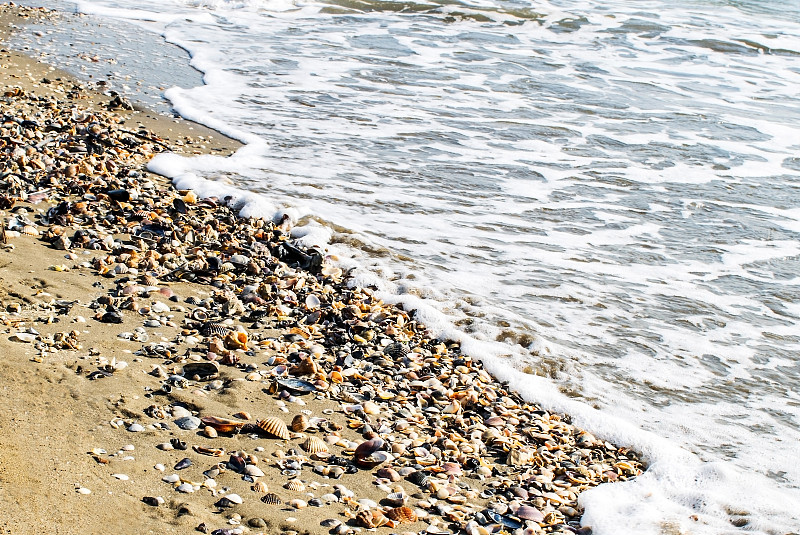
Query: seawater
[[599, 199]]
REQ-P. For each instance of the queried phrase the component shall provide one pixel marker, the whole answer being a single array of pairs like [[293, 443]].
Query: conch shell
[[236, 340]]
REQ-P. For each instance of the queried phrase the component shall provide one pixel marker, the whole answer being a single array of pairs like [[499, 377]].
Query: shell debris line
[[216, 309]]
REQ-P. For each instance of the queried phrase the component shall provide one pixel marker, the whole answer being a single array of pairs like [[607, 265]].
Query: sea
[[599, 200]]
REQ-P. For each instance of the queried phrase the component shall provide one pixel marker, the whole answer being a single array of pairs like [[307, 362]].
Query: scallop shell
[[214, 329], [274, 426], [259, 486], [402, 514], [30, 230], [295, 485], [271, 499], [314, 445], [300, 423]]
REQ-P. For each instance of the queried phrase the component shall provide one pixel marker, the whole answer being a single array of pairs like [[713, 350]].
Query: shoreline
[[140, 310]]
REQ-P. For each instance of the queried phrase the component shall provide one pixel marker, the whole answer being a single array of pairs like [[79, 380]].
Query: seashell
[[259, 486], [236, 340], [312, 302], [297, 386], [30, 230], [295, 485], [396, 350], [199, 314], [527, 512], [397, 499], [201, 371], [222, 425], [183, 463], [402, 515], [274, 426], [389, 473], [271, 499], [300, 423], [374, 519], [253, 471], [297, 504], [367, 454], [314, 445], [214, 329]]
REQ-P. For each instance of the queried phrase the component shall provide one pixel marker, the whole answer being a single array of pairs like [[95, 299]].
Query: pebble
[[135, 428]]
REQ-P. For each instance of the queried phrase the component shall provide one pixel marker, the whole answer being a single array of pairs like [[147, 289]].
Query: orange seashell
[[314, 445], [236, 340], [374, 519], [275, 427], [403, 515], [336, 377], [223, 425]]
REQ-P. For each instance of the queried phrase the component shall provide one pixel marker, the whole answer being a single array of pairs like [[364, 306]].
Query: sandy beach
[[154, 344]]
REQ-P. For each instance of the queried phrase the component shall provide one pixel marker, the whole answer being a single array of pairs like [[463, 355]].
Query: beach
[[167, 364]]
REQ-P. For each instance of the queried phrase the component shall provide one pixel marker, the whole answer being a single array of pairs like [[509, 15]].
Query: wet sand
[[97, 368]]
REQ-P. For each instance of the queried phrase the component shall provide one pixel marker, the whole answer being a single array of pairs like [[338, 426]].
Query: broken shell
[[223, 425]]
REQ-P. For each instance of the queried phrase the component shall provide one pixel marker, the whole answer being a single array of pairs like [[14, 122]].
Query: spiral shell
[[274, 426], [300, 423], [236, 340], [403, 515], [295, 485], [271, 499], [314, 445]]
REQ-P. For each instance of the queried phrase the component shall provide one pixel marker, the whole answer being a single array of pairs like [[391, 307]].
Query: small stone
[[135, 428], [188, 423]]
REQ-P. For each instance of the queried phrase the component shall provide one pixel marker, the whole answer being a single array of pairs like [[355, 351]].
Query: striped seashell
[[396, 350], [30, 230], [259, 486], [403, 515], [274, 426], [149, 280], [226, 267], [295, 485], [300, 423], [271, 498], [214, 329], [314, 445]]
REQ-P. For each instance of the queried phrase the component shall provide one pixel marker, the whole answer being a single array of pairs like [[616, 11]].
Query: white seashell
[[121, 477], [160, 467], [135, 428], [185, 487], [159, 307], [234, 498], [253, 471], [171, 478], [312, 302], [83, 490]]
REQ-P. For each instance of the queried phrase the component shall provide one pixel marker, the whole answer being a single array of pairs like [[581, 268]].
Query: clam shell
[[527, 512], [274, 426], [397, 499], [297, 386], [314, 445], [403, 515], [295, 485], [300, 423], [271, 498]]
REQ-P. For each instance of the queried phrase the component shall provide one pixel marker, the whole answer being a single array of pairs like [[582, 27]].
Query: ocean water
[[599, 199]]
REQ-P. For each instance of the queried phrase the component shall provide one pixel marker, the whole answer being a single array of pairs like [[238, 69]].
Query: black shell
[[396, 350], [271, 499]]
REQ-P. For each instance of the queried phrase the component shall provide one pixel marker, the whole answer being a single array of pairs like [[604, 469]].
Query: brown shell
[[275, 427], [271, 499], [259, 486], [223, 425], [373, 519], [402, 514], [295, 485], [236, 340], [314, 445], [300, 423]]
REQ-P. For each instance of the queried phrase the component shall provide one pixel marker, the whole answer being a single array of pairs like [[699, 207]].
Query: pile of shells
[[451, 448]]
